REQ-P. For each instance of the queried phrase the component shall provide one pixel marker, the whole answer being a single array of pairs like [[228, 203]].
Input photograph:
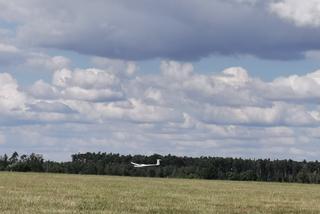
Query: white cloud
[[6, 48], [295, 88], [10, 54], [173, 111], [127, 68], [89, 84], [154, 95], [42, 61], [302, 13], [43, 90], [176, 71], [234, 76], [85, 78], [10, 97], [78, 93], [61, 77]]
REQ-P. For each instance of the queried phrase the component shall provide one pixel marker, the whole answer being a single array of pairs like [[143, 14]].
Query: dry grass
[[54, 193]]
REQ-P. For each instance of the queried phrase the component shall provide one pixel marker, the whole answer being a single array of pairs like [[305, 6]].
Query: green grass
[[55, 193]]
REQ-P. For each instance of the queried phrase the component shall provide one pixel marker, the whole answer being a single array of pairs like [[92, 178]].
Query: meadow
[[62, 193]]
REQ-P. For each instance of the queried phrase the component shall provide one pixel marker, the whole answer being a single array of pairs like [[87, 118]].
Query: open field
[[55, 193]]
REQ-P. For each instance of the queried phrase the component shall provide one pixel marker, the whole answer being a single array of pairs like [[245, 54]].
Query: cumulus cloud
[[89, 84], [88, 78], [294, 88], [127, 68], [256, 101], [176, 111], [11, 98], [13, 56], [167, 29], [43, 90], [302, 13]]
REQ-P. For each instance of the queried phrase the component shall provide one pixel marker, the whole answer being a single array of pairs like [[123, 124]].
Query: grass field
[[55, 193]]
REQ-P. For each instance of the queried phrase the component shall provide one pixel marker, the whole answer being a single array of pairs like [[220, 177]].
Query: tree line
[[171, 166]]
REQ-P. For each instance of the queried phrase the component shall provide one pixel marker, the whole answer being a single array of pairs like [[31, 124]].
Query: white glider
[[146, 165]]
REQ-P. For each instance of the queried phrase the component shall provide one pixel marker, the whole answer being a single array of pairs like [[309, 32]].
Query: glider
[[146, 165]]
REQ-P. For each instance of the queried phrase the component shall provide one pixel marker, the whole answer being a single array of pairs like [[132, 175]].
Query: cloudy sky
[[232, 78]]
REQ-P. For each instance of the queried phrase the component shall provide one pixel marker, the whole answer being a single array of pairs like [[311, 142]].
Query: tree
[[303, 176], [35, 162], [14, 158], [3, 162]]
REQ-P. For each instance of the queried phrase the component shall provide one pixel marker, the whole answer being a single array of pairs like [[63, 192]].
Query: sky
[[227, 78]]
